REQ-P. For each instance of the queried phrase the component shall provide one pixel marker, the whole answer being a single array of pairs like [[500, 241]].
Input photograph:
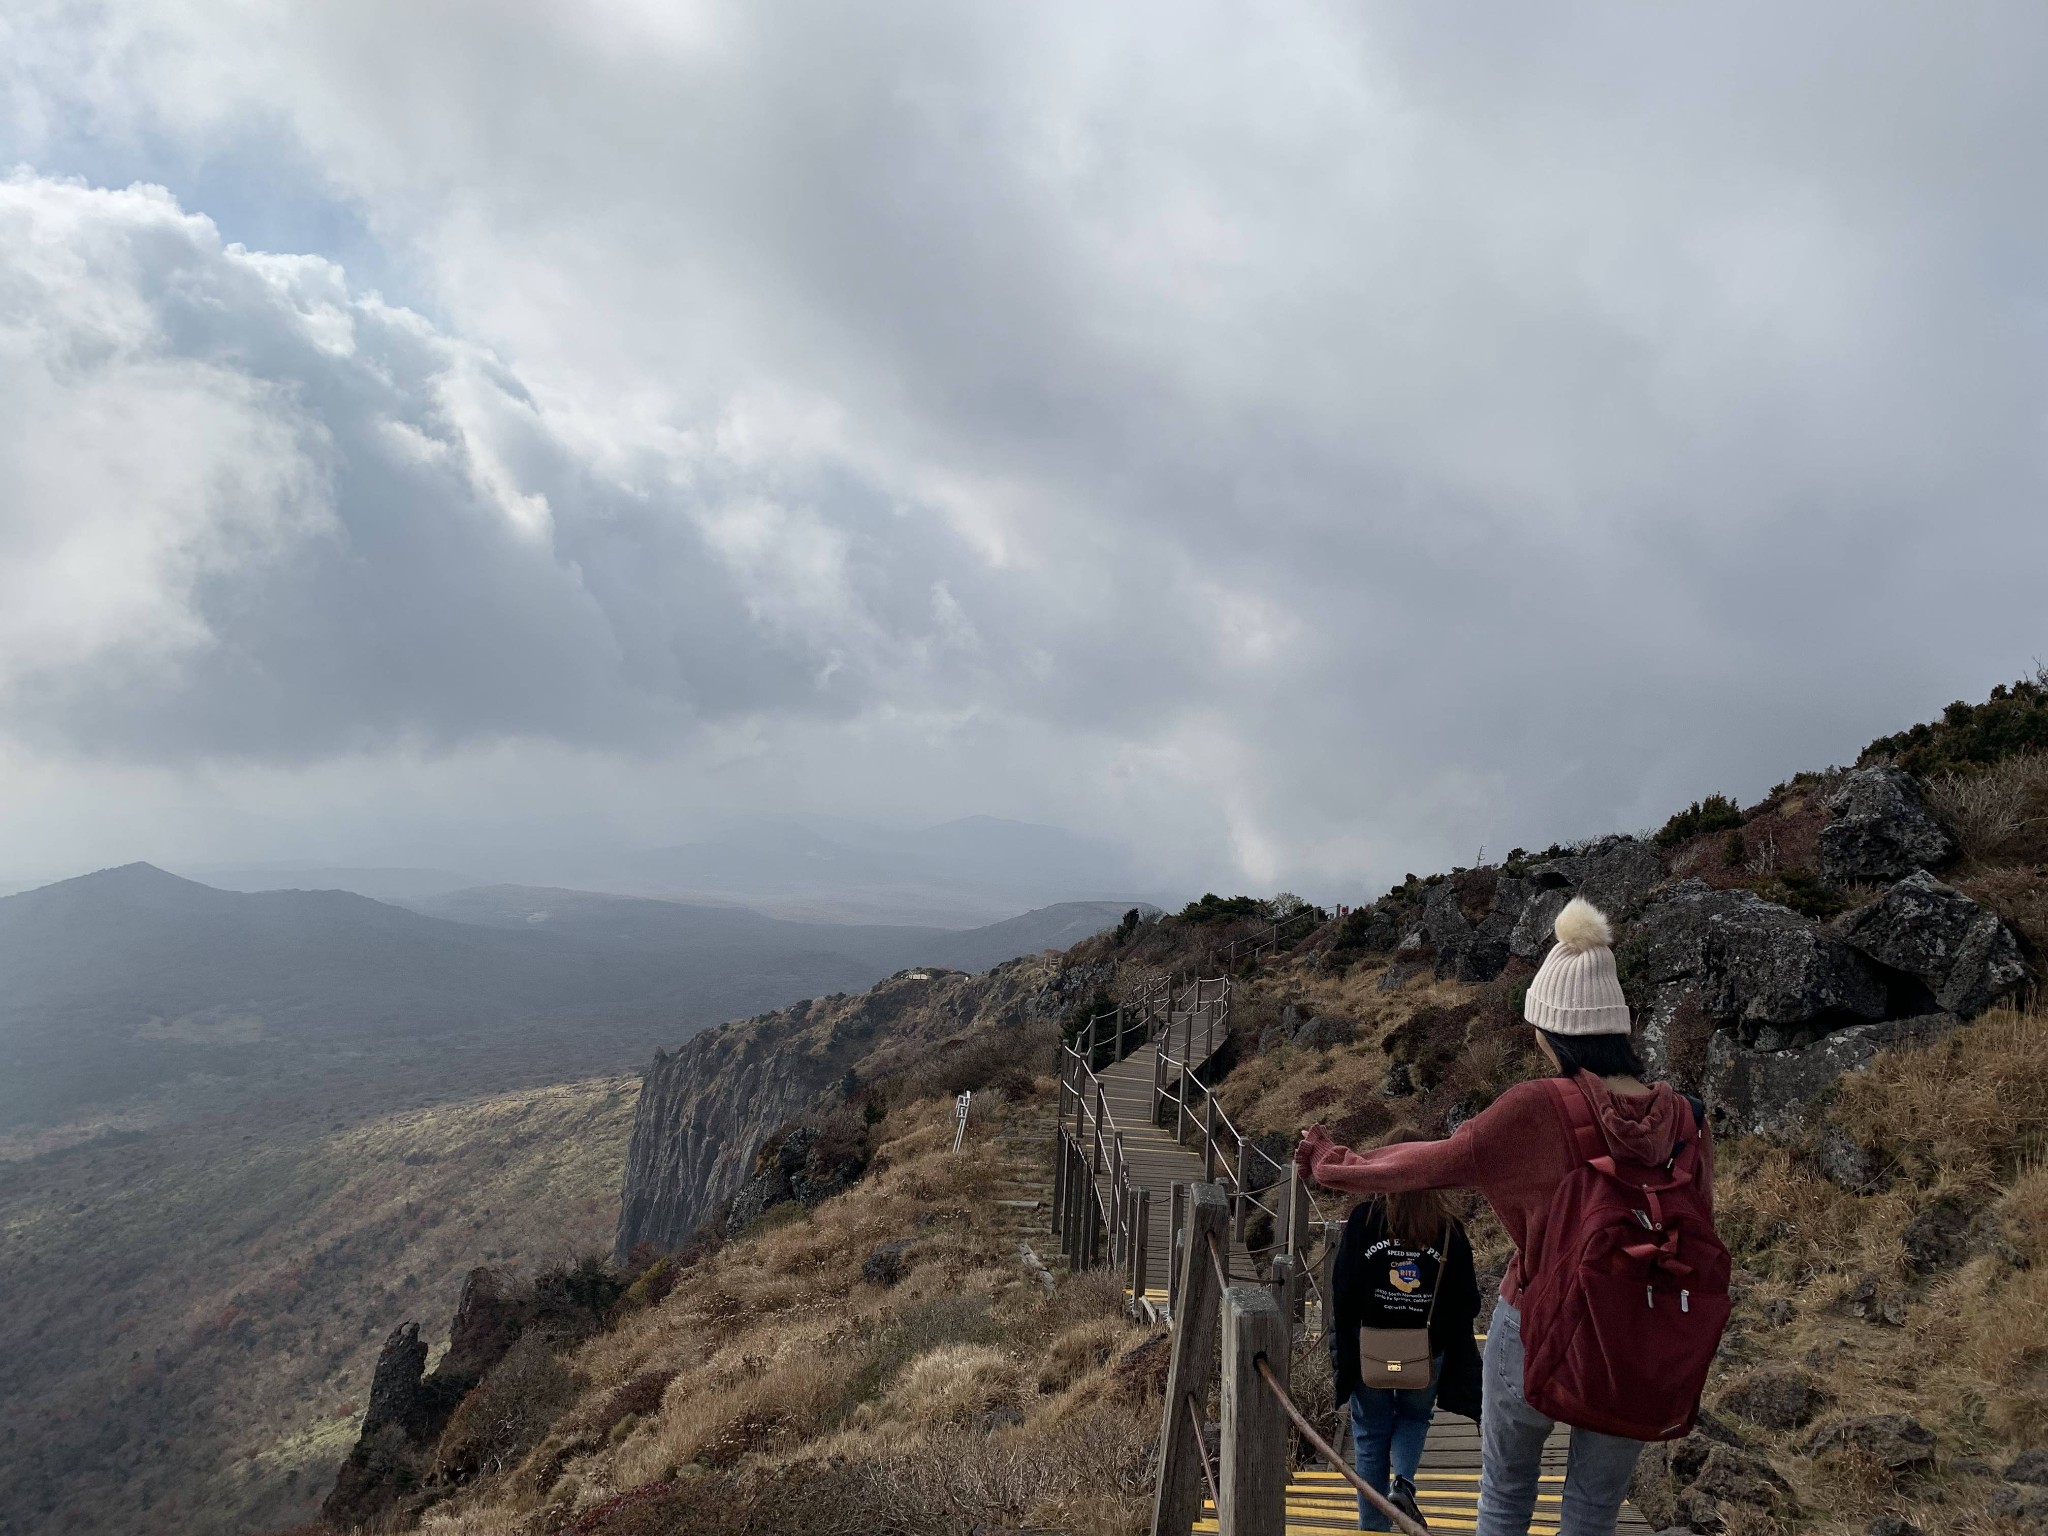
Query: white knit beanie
[[1575, 991]]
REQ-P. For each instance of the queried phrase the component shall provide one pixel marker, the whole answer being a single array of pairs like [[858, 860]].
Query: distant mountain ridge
[[131, 982], [955, 874]]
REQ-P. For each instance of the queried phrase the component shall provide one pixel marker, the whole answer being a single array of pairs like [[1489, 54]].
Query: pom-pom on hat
[[1575, 991]]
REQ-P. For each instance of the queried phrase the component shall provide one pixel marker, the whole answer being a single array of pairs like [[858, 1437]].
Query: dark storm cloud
[[1405, 426]]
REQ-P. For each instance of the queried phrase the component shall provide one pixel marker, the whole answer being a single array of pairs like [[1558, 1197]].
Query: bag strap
[[1443, 1269], [1583, 1131], [1580, 1128]]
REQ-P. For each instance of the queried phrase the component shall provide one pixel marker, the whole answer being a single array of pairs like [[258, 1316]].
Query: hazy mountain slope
[[192, 1303], [379, 884], [975, 870], [1054, 927], [192, 1315], [675, 927], [732, 933], [132, 982]]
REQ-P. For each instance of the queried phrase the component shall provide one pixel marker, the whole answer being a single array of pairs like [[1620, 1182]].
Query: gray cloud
[[1323, 440], [341, 529]]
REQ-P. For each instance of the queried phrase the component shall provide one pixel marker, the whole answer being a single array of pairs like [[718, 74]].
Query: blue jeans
[[1387, 1431], [1511, 1436]]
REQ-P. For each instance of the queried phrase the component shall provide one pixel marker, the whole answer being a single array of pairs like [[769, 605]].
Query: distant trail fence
[[1103, 1213]]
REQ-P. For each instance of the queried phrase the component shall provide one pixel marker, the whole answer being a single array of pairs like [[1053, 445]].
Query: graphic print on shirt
[[1403, 1280]]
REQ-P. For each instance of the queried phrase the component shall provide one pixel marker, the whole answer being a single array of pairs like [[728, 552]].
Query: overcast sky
[[1304, 441]]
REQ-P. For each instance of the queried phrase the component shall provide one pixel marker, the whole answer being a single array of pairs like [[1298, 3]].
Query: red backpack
[[1619, 1328]]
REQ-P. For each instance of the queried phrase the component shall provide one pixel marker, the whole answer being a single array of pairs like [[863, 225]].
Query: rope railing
[[1202, 1445]]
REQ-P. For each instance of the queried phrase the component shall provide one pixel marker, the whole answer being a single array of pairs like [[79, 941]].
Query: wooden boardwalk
[[1318, 1500], [1156, 1161], [1446, 1487]]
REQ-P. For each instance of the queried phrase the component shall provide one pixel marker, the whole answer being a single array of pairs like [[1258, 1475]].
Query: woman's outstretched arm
[[1449, 1164]]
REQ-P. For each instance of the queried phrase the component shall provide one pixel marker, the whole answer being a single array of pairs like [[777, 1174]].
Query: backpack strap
[[1580, 1128]]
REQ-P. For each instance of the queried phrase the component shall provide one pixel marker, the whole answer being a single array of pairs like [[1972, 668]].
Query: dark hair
[[1415, 1217], [1601, 1055]]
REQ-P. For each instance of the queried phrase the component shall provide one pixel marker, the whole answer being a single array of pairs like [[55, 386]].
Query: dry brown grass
[[1960, 1120], [2000, 813], [963, 1394], [1968, 1109]]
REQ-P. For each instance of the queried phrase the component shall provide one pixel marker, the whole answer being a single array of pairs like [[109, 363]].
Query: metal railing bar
[[1202, 1450]]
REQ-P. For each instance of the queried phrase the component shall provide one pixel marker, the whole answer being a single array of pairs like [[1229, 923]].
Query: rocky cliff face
[[706, 1109], [1741, 998]]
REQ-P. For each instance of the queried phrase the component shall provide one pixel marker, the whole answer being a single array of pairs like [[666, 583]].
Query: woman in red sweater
[[1516, 1153]]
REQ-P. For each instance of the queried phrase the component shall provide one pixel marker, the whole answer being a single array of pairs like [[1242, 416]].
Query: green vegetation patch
[[1970, 736], [1716, 813], [1213, 908]]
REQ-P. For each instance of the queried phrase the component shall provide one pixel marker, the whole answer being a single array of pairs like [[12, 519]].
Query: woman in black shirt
[[1405, 1262]]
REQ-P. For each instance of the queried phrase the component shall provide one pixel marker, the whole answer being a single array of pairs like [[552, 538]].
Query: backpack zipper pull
[[1685, 1301], [1649, 1296]]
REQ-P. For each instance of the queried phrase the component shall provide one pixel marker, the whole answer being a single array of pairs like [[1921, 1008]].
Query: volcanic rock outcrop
[[707, 1108]]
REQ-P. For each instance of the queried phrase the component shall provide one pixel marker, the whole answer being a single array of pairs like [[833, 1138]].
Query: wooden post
[[1099, 1150], [1209, 1138], [1141, 1234], [1076, 1199], [1089, 1211], [1241, 1207], [1252, 1489], [1299, 1209], [1091, 1208], [1178, 1499], [1297, 1213], [1059, 1174], [1158, 1083], [1326, 1275], [1119, 1195], [1083, 1217], [1287, 1286], [1180, 1100], [1177, 1217]]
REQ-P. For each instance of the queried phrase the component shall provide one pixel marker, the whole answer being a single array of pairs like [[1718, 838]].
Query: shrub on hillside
[[1967, 736], [571, 1301], [1213, 908], [507, 1415], [915, 1331], [1716, 813], [1805, 893], [1093, 1006], [993, 1061]]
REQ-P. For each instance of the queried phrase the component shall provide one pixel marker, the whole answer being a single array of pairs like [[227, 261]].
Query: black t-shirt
[[1381, 1283], [1393, 1283]]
